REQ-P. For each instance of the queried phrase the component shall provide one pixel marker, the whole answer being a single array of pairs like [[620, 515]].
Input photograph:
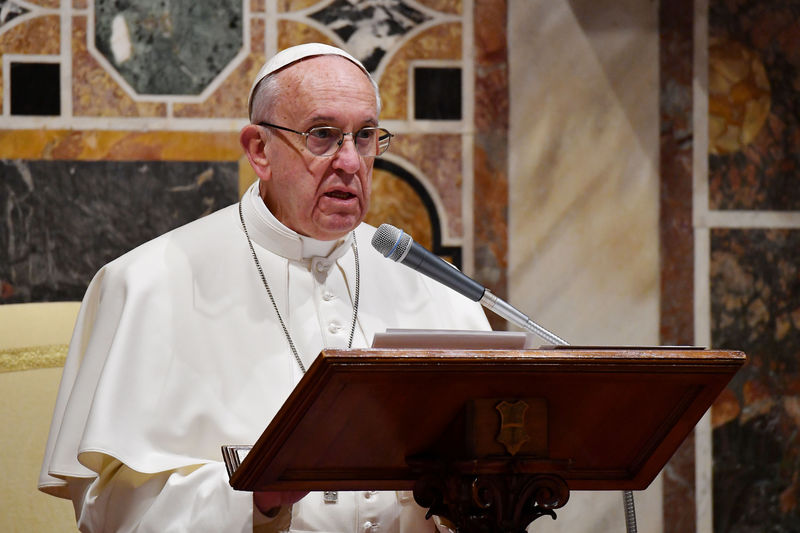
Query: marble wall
[[654, 184], [753, 203], [160, 90]]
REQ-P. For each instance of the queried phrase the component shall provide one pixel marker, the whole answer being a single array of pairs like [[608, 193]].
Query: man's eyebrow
[[328, 119]]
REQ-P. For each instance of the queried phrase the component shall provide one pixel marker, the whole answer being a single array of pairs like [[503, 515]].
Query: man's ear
[[252, 140]]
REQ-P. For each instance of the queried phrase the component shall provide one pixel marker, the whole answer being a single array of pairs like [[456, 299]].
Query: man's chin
[[333, 228]]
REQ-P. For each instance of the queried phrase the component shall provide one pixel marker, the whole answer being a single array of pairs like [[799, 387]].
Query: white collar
[[269, 233]]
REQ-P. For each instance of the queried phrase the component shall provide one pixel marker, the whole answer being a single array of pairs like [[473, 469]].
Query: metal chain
[[357, 291], [275, 306]]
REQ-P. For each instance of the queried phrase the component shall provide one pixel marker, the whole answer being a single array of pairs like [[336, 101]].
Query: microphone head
[[391, 242]]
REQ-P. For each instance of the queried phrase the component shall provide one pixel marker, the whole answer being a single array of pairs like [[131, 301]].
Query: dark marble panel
[[437, 93], [754, 104], [755, 307], [168, 47], [35, 88], [64, 219]]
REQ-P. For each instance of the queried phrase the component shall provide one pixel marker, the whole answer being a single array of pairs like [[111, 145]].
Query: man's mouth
[[341, 195]]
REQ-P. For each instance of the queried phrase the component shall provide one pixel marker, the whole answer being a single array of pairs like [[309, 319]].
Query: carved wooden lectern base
[[504, 479], [491, 503]]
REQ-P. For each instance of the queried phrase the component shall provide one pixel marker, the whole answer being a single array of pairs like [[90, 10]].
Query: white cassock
[[177, 350]]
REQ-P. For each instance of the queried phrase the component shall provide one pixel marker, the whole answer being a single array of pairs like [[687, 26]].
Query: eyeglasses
[[326, 140]]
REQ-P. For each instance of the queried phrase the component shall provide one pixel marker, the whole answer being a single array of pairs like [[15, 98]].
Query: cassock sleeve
[[189, 499]]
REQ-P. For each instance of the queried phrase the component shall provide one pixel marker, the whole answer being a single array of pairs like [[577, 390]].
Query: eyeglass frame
[[340, 142]]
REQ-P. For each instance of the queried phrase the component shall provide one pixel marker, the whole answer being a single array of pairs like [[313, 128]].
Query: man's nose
[[347, 157]]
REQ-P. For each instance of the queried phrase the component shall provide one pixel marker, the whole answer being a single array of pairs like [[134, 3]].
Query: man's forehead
[[292, 55], [322, 90]]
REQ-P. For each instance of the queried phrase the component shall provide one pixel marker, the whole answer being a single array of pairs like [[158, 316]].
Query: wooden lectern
[[488, 439]]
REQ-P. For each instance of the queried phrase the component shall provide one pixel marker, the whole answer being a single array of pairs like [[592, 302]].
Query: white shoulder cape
[[177, 350]]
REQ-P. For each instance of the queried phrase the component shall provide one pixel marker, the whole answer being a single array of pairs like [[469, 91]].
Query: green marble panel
[[168, 47]]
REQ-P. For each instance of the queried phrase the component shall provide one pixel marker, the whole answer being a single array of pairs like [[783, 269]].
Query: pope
[[195, 339]]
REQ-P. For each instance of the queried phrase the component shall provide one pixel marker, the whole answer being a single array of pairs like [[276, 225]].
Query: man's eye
[[322, 133], [366, 133]]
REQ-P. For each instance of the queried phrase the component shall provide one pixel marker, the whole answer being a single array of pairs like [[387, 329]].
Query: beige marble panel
[[583, 205], [584, 154]]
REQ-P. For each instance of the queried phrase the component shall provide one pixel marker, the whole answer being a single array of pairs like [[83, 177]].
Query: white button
[[371, 527], [368, 495], [323, 266], [333, 327], [327, 296]]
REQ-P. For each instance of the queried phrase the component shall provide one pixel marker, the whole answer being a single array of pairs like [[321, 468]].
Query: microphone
[[397, 245]]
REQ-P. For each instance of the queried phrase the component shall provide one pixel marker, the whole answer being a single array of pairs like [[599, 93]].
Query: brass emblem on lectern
[[512, 425]]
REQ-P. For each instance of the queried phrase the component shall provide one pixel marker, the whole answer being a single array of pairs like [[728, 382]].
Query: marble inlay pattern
[[168, 47], [36, 36], [439, 159], [762, 173], [445, 6], [453, 7], [395, 202], [291, 33], [9, 10], [370, 29], [440, 42], [65, 219], [755, 305], [376, 31], [39, 35], [45, 3], [119, 145], [285, 6], [95, 93]]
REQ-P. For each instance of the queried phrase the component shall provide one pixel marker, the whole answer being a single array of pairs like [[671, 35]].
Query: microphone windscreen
[[391, 242]]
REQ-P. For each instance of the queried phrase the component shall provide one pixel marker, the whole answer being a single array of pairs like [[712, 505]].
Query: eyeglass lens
[[326, 140]]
